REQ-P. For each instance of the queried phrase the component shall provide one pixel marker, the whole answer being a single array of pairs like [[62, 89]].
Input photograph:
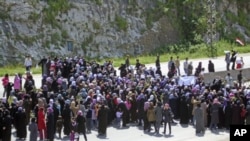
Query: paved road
[[179, 133]]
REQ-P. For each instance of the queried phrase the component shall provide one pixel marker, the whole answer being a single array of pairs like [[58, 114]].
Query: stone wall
[[209, 77]]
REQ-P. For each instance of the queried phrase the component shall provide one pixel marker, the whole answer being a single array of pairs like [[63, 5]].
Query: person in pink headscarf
[[17, 83], [214, 112]]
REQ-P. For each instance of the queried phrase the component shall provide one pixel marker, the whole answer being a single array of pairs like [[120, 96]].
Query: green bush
[[121, 23], [34, 17], [96, 25]]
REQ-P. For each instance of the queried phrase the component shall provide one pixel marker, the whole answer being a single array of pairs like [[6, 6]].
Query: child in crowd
[[118, 117], [73, 134]]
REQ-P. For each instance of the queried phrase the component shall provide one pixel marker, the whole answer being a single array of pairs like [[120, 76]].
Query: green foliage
[[98, 2], [121, 23], [18, 68], [87, 41], [34, 17], [28, 40], [155, 13], [96, 25], [4, 15], [55, 38], [64, 34], [54, 8]]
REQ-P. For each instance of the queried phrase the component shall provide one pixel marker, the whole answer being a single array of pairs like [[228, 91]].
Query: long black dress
[[7, 128], [66, 120], [184, 119], [103, 120], [20, 121], [81, 128], [50, 126]]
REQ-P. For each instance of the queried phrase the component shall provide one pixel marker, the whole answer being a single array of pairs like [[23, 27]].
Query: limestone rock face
[[89, 28]]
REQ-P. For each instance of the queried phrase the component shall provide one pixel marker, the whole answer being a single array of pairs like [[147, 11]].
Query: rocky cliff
[[96, 28]]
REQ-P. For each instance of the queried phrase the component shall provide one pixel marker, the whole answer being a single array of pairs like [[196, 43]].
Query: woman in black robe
[[103, 120], [50, 124], [81, 122], [183, 110], [236, 109], [66, 119], [6, 130], [20, 121], [228, 115]]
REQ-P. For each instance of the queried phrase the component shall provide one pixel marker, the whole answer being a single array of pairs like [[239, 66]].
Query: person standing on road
[[233, 59], [167, 117], [6, 126], [17, 83], [227, 59], [127, 62], [185, 66], [81, 124], [102, 120], [28, 63], [20, 121], [5, 82], [214, 112], [151, 116], [158, 114], [177, 65], [229, 79], [41, 123], [33, 130], [50, 124], [42, 63], [199, 119], [157, 62], [170, 63], [210, 66], [190, 69], [239, 77]]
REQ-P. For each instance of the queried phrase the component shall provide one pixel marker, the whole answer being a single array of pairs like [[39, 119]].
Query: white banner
[[187, 80]]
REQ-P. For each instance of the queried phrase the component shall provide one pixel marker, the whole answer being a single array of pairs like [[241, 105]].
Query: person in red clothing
[[5, 82], [41, 124]]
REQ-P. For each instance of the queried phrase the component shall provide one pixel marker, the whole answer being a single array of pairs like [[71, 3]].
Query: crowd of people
[[78, 96]]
